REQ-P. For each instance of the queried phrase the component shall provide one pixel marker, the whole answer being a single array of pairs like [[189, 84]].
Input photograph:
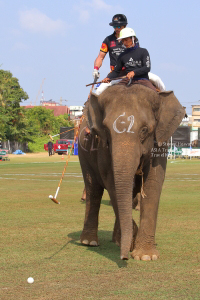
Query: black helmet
[[119, 20]]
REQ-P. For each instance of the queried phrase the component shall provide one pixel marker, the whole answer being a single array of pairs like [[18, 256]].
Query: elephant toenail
[[85, 242], [93, 243], [146, 257], [154, 257], [123, 257], [137, 258]]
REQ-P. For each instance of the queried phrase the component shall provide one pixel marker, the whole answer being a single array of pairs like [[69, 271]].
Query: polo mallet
[[52, 136], [56, 194], [130, 81], [94, 82], [102, 81]]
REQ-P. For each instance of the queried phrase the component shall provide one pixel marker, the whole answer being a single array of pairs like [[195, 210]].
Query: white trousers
[[104, 86], [155, 79]]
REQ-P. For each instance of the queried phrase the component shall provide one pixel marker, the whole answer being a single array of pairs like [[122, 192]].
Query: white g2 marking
[[115, 127], [82, 131], [130, 119]]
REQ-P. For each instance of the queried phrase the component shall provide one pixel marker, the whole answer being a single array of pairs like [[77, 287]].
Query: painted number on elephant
[[126, 127]]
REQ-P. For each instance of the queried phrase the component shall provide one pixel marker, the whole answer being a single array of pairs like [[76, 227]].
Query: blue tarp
[[75, 149], [18, 152]]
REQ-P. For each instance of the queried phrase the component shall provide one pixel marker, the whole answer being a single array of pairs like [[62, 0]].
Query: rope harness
[[140, 173], [52, 136]]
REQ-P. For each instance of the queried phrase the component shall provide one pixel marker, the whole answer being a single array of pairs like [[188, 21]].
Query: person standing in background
[[50, 147]]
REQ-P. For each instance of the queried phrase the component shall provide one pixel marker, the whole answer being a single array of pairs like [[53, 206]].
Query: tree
[[12, 118], [3, 121], [40, 119], [43, 121], [61, 121], [20, 124]]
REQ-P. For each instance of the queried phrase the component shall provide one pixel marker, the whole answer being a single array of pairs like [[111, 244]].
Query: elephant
[[136, 199], [126, 154]]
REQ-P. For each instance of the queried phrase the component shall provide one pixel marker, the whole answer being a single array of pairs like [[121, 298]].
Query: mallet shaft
[[58, 188], [56, 193], [110, 80]]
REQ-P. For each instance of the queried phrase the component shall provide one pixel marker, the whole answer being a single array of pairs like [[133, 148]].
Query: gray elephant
[[126, 153]]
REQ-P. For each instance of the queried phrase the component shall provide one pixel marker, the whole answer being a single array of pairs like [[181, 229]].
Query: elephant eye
[[143, 133]]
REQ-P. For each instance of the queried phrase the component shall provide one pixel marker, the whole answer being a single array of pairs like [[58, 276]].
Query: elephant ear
[[171, 113], [95, 116]]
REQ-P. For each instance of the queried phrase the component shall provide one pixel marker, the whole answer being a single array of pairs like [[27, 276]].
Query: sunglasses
[[117, 27]]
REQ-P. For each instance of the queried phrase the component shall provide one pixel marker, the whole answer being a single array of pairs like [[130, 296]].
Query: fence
[[13, 146]]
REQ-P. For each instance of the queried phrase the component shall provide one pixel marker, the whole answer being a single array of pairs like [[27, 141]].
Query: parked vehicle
[[3, 155], [61, 146]]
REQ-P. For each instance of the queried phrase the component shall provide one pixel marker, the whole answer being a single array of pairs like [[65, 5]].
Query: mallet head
[[53, 199]]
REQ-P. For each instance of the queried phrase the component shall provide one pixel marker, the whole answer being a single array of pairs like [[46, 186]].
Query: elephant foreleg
[[145, 248], [94, 192]]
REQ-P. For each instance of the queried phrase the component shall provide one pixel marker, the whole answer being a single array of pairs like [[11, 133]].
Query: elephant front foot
[[145, 254], [89, 240]]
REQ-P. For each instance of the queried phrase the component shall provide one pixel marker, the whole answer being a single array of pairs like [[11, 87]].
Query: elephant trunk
[[125, 166]]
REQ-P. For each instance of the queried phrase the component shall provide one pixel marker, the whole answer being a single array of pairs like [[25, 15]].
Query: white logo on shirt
[[148, 62], [133, 63]]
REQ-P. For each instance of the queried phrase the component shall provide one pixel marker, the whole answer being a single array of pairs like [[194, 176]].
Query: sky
[[59, 40]]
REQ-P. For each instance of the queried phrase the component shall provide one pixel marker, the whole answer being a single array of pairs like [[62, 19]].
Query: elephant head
[[128, 120]]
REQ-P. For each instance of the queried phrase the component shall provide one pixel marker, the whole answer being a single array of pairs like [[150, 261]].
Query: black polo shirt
[[133, 59], [114, 47]]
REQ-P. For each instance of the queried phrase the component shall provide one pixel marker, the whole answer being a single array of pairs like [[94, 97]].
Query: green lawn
[[40, 239]]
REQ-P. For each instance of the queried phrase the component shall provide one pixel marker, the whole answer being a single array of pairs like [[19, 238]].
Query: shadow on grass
[[58, 251], [106, 248]]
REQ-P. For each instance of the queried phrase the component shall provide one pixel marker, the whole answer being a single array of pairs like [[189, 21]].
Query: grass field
[[40, 239]]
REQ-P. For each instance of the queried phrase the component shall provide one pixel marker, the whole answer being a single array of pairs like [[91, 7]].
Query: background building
[[57, 109], [195, 116], [49, 103], [187, 121], [76, 111]]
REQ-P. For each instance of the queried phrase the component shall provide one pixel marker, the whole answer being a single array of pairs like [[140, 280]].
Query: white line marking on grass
[[189, 179], [54, 162], [182, 180], [27, 179], [176, 162], [184, 161], [186, 178], [188, 174], [47, 174], [43, 162]]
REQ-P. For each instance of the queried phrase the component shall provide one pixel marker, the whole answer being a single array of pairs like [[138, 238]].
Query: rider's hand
[[106, 80], [96, 73], [130, 75]]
